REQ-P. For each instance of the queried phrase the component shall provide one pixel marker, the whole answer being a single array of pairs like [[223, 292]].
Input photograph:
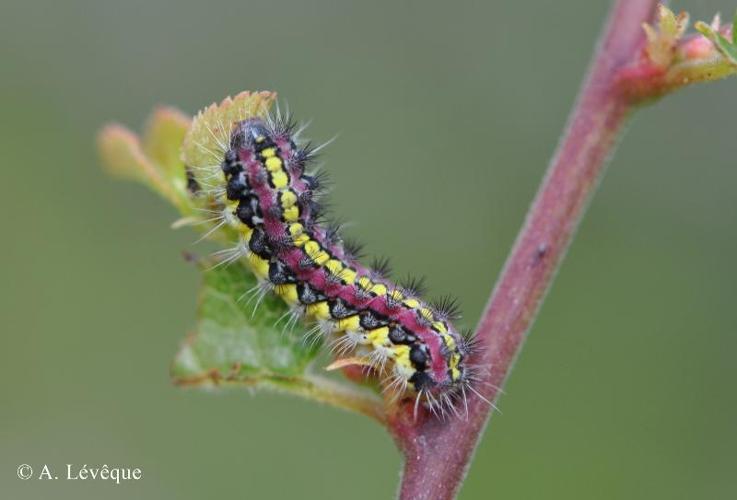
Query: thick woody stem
[[437, 455]]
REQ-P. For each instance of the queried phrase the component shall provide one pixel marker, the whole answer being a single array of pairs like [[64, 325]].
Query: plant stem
[[310, 386], [342, 396], [437, 454]]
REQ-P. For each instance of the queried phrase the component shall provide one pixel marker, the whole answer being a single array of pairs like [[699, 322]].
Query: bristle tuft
[[447, 307], [413, 285], [353, 249], [381, 267]]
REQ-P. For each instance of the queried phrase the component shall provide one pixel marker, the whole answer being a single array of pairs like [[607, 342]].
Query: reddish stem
[[437, 455]]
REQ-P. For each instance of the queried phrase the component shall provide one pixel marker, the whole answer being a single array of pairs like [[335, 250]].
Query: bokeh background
[[447, 113]]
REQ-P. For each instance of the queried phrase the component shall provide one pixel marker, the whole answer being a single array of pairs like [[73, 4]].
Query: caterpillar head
[[252, 134]]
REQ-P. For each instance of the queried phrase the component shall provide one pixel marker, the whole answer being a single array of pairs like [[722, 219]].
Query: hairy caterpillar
[[255, 172]]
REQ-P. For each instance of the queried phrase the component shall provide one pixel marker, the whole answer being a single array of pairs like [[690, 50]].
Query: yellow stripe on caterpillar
[[279, 179], [288, 198], [348, 275], [426, 314], [449, 341], [440, 327], [259, 266], [288, 293], [319, 310], [291, 214], [365, 283], [273, 164], [412, 303], [334, 266], [379, 336], [321, 258], [312, 248], [349, 324], [455, 360], [296, 230], [315, 252], [300, 240], [401, 356]]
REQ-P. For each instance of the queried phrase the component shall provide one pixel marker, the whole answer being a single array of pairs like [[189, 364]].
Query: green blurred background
[[448, 112]]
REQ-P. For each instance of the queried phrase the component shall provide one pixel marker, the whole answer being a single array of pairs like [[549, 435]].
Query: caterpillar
[[258, 176]]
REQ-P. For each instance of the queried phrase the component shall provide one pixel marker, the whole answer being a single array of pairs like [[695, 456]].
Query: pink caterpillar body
[[272, 202]]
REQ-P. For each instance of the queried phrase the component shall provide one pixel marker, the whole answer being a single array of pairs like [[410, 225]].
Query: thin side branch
[[309, 386]]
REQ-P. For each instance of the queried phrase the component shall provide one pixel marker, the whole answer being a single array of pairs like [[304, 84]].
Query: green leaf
[[664, 35], [233, 346], [725, 47], [162, 142], [734, 28], [232, 343], [211, 127], [122, 154], [153, 162]]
